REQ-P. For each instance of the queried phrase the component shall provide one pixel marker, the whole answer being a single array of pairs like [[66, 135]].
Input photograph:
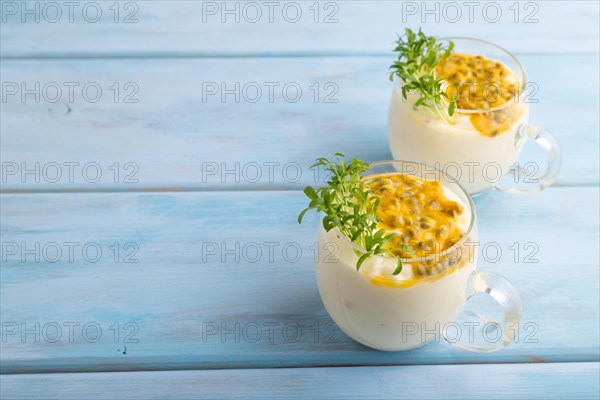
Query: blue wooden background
[[165, 206]]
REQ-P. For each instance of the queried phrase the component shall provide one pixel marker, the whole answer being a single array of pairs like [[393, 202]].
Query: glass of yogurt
[[480, 144], [435, 216]]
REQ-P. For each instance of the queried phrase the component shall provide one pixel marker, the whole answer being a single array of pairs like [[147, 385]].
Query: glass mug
[[476, 161], [379, 310]]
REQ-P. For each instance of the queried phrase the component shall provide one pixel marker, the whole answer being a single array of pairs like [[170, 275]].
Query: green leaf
[[372, 218], [302, 215], [326, 224], [398, 268], [407, 249], [451, 108], [310, 192], [452, 105], [361, 260]]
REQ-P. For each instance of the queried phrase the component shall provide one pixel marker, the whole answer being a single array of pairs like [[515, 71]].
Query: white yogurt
[[477, 162]]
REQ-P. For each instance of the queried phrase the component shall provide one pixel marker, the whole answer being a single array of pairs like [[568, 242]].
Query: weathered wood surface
[[178, 136], [190, 278], [497, 381], [171, 135], [202, 28]]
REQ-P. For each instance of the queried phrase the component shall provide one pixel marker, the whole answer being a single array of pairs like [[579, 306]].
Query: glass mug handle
[[546, 141], [504, 293]]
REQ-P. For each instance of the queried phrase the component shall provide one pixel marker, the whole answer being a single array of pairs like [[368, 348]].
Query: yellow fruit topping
[[482, 84], [423, 218]]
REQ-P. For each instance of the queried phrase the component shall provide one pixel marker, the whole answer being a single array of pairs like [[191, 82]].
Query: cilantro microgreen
[[349, 206], [418, 55]]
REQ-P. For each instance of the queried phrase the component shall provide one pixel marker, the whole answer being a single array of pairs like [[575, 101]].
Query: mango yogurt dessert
[[465, 111]]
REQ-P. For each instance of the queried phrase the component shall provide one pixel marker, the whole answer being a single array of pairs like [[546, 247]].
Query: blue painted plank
[[177, 138], [516, 381], [178, 289], [177, 28]]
